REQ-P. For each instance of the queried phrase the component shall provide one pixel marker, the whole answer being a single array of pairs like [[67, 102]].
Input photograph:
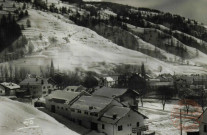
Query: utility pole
[[180, 123]]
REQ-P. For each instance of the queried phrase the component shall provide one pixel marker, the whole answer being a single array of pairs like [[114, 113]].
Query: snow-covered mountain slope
[[21, 119], [71, 46]]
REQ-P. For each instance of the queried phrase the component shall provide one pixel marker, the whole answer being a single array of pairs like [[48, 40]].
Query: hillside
[[101, 47], [20, 119], [180, 7]]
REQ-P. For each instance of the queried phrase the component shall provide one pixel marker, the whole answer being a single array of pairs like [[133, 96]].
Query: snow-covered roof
[[109, 79], [161, 83], [64, 95], [115, 113], [10, 85], [91, 103], [120, 112], [109, 92], [75, 88]]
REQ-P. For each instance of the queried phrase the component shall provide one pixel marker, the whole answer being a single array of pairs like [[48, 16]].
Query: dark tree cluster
[[40, 4], [27, 1], [73, 1], [9, 31], [142, 19]]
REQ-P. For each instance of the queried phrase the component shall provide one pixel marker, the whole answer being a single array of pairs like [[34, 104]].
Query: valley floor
[[167, 122]]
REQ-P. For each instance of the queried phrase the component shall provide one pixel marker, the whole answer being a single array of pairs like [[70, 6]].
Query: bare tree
[[186, 95], [165, 93]]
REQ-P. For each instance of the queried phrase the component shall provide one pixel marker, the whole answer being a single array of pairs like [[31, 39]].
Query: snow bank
[[20, 119]]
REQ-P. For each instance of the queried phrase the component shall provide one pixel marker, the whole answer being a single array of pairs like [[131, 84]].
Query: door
[[94, 126], [53, 108]]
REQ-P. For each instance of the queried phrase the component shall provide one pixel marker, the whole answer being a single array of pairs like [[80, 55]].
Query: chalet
[[128, 97], [8, 89], [75, 88], [107, 81], [203, 123], [37, 87], [107, 115]]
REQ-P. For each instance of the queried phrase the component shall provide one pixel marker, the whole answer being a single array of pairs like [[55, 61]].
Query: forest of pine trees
[[9, 31]]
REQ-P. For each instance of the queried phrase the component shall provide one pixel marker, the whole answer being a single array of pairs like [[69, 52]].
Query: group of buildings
[[107, 110], [113, 111], [33, 87]]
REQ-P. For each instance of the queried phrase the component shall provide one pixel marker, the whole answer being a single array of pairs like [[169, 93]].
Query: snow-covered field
[[21, 119], [167, 122]]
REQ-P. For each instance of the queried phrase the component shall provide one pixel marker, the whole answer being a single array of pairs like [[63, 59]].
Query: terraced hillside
[[92, 39]]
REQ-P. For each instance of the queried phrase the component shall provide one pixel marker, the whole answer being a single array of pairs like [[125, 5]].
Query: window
[[44, 92], [103, 126], [43, 87], [79, 111], [48, 87], [96, 114], [137, 124], [62, 108], [120, 128], [205, 128], [57, 107], [72, 110], [86, 112], [66, 109]]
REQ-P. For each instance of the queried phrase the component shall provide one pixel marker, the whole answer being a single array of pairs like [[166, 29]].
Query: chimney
[[114, 116]]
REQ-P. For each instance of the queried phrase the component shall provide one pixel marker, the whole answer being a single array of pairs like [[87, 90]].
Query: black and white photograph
[[103, 67]]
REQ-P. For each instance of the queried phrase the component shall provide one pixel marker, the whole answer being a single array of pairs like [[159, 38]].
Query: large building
[[106, 115], [59, 101], [103, 114], [37, 87]]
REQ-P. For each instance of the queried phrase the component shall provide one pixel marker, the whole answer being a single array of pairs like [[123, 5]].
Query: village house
[[75, 88], [128, 97], [107, 81], [107, 115], [37, 87], [203, 123], [8, 89], [165, 78]]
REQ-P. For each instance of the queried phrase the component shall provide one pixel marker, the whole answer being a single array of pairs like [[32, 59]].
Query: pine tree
[[143, 73], [28, 23], [52, 69]]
